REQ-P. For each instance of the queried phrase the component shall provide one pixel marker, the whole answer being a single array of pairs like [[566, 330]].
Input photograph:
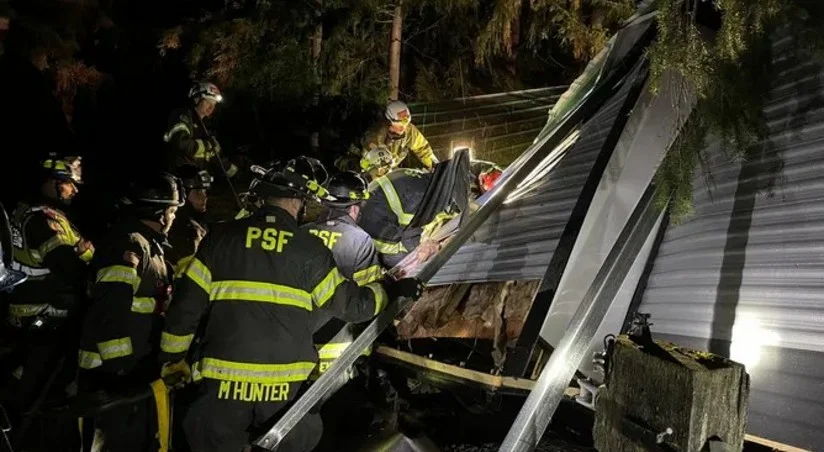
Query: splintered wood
[[485, 311]]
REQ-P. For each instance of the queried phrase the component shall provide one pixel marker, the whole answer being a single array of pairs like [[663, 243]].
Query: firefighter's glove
[[176, 374], [231, 169], [215, 146], [404, 288]]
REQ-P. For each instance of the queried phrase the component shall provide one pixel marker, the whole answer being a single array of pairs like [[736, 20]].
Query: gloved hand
[[406, 288], [214, 145], [176, 370], [85, 250], [231, 170]]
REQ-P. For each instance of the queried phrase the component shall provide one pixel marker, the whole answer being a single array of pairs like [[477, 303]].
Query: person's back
[[386, 215], [351, 246], [265, 258], [354, 253]]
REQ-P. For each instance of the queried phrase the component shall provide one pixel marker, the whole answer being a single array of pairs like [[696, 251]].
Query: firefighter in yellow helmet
[[43, 316], [255, 283]]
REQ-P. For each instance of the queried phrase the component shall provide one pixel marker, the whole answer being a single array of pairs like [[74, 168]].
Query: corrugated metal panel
[[745, 275], [517, 242], [498, 125]]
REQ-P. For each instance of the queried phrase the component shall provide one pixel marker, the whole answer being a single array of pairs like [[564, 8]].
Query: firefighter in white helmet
[[189, 142], [399, 135]]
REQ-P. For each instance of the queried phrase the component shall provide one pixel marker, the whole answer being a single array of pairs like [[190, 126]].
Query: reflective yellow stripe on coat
[[394, 201], [219, 369]]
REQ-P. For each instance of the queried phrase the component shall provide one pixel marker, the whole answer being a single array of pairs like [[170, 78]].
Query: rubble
[[484, 311]]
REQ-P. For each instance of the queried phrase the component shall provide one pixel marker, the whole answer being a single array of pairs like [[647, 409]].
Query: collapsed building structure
[[741, 278]]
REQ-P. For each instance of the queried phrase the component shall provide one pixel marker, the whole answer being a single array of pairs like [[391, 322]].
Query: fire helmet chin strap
[[302, 211]]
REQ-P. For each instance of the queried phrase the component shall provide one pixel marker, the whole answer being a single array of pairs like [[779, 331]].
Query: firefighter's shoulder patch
[[131, 259]]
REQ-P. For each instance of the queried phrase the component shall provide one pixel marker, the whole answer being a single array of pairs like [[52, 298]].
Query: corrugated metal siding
[[517, 242], [748, 268], [498, 125]]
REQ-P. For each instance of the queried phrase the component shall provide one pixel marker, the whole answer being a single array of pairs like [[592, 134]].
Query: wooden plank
[[779, 447], [524, 384], [494, 381]]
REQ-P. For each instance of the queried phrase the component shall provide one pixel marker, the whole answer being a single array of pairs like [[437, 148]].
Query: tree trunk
[[317, 42], [515, 39], [395, 52]]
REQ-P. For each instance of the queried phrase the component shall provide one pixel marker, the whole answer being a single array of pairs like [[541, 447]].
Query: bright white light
[[540, 171], [461, 147], [749, 337]]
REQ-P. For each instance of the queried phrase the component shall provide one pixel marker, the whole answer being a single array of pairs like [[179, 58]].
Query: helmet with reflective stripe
[[205, 90], [397, 111], [194, 178], [151, 195], [301, 178], [8, 277], [377, 158], [66, 169], [347, 188]]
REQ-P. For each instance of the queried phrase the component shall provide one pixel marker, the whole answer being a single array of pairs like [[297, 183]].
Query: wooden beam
[[524, 384], [494, 381], [779, 447]]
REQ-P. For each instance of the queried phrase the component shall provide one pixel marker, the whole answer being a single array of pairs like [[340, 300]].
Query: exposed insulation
[[484, 311]]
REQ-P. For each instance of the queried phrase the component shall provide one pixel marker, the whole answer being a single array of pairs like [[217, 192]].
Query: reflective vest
[[413, 140], [38, 232], [261, 278]]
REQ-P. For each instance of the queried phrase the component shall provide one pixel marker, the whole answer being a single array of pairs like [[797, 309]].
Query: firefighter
[[386, 216], [398, 134], [130, 292], [190, 143], [353, 251], [44, 311], [261, 278], [9, 278], [189, 225]]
